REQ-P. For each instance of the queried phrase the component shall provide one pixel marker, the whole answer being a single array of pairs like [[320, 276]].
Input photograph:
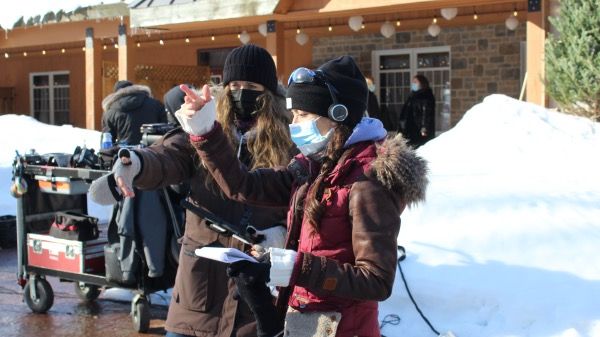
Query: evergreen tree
[[573, 58]]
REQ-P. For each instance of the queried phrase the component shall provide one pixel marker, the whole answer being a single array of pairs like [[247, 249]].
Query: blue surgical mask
[[414, 87], [307, 137]]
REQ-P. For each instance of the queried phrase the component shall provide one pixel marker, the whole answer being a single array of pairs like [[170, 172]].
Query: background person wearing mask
[[251, 108], [345, 193], [418, 113], [126, 109]]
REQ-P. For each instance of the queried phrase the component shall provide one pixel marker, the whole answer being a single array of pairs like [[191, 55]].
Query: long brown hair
[[334, 154], [270, 144]]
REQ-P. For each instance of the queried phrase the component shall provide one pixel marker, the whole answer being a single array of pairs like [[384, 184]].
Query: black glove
[[250, 279]]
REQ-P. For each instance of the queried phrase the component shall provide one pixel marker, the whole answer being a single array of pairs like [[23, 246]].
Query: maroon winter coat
[[350, 263]]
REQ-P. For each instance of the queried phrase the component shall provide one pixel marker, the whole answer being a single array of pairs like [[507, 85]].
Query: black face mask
[[245, 103]]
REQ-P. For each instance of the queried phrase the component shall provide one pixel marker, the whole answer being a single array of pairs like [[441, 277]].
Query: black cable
[[391, 319], [409, 293]]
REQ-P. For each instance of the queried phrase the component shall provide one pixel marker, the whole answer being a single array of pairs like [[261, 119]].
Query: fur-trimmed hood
[[128, 98], [399, 169]]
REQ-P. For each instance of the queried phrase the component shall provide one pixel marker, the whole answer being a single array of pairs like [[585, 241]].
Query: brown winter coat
[[350, 263], [202, 303]]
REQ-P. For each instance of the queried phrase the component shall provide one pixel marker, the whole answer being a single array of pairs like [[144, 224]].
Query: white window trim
[[375, 55], [50, 92]]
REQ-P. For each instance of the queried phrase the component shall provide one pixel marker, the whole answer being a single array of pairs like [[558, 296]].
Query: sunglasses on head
[[336, 111]]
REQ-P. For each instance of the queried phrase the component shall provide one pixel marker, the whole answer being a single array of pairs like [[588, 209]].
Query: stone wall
[[485, 59]]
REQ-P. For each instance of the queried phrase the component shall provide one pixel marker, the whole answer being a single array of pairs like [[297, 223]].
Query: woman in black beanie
[[251, 108], [345, 193]]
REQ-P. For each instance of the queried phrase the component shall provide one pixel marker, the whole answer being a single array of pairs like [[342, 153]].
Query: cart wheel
[[141, 315], [44, 296], [87, 292]]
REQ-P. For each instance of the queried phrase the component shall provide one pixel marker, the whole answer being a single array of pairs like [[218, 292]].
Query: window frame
[[413, 68], [50, 87]]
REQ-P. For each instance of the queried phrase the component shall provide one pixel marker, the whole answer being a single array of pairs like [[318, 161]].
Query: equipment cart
[[44, 191]]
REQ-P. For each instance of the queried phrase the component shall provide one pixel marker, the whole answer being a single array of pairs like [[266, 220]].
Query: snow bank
[[506, 243]]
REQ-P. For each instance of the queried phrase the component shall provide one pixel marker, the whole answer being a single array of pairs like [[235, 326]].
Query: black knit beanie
[[250, 63], [174, 98], [351, 90]]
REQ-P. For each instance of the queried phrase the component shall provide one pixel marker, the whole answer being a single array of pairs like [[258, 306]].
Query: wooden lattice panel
[[160, 78]]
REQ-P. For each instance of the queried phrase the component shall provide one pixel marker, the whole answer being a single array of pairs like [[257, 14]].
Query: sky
[[13, 10], [507, 242]]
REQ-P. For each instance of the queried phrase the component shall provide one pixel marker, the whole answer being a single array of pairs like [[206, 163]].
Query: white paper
[[227, 255]]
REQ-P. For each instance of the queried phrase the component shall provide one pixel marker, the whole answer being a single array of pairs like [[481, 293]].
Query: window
[[50, 97], [394, 69]]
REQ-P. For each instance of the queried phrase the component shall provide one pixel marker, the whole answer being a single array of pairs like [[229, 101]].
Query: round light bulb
[[330, 28], [244, 37], [475, 17], [387, 29], [434, 20], [262, 29], [212, 38], [43, 52], [301, 38], [187, 40], [355, 22], [6, 55], [434, 30], [161, 42], [398, 23], [297, 30], [24, 53], [138, 44], [449, 13], [511, 23]]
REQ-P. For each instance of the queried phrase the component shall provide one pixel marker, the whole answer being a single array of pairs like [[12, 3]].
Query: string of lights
[[142, 38]]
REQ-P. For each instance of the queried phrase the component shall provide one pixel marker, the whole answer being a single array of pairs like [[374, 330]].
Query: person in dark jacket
[[126, 109], [372, 103], [345, 193], [251, 107], [418, 113], [173, 100]]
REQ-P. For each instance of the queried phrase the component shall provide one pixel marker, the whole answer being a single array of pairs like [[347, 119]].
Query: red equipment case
[[72, 256]]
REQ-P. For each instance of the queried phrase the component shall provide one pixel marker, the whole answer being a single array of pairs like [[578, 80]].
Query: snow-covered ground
[[506, 243]]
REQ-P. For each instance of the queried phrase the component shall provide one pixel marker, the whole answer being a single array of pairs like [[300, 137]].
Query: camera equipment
[[246, 234], [153, 132]]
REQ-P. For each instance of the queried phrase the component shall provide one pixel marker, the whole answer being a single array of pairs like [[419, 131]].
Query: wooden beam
[[275, 43], [406, 25], [283, 6], [126, 55], [93, 80], [341, 8], [63, 33], [537, 26]]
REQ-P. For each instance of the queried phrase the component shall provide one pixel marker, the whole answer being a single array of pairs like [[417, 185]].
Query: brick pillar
[[126, 55], [93, 80]]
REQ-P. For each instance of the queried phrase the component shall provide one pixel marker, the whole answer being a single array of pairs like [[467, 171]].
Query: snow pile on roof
[[36, 12]]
